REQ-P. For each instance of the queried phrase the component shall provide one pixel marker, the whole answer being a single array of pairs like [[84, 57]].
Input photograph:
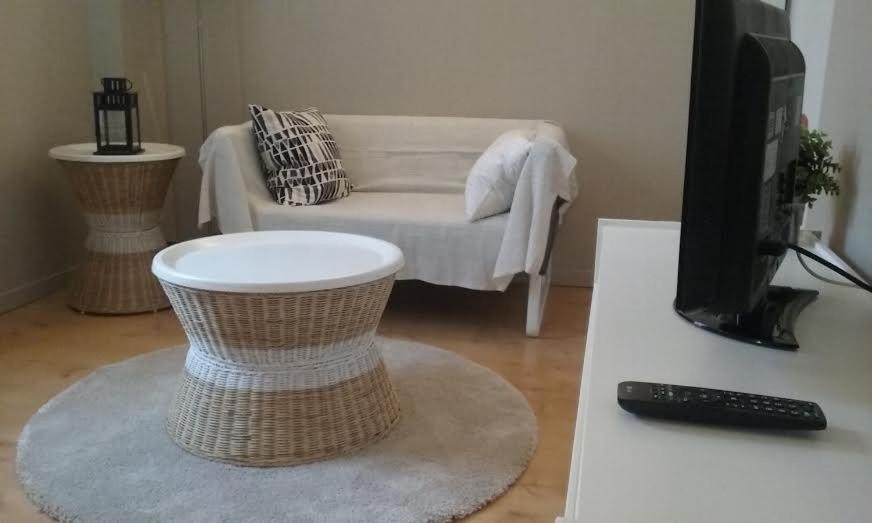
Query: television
[[738, 212]]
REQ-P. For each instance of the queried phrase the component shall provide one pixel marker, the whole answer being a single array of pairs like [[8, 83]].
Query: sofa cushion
[[439, 244], [300, 156]]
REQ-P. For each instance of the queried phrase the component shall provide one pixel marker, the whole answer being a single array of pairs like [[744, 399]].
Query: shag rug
[[98, 451]]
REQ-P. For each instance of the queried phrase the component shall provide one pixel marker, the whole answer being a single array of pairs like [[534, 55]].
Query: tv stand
[[627, 468], [770, 324]]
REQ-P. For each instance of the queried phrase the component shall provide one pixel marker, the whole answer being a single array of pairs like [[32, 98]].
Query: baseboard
[[34, 290]]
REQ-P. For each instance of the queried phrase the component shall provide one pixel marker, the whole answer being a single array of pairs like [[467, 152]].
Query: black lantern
[[116, 118]]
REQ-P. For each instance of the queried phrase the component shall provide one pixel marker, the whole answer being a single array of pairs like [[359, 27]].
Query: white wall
[[810, 24], [45, 79], [105, 38], [846, 115], [614, 73], [185, 117]]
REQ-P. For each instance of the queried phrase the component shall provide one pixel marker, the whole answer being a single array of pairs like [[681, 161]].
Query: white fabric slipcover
[[409, 175]]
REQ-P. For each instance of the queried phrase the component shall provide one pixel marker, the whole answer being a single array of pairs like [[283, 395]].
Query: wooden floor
[[45, 347]]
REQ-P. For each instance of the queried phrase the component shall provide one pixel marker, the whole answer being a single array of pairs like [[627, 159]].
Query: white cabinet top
[[626, 468], [84, 152]]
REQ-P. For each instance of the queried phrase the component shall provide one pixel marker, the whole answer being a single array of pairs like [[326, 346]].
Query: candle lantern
[[116, 118]]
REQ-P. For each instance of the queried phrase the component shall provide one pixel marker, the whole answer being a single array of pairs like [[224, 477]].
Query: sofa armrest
[[546, 187], [232, 179], [554, 131], [551, 141]]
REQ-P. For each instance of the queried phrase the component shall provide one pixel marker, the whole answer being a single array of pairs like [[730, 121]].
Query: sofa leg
[[537, 296]]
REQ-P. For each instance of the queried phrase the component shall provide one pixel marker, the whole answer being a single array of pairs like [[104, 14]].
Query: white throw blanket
[[548, 175], [547, 180]]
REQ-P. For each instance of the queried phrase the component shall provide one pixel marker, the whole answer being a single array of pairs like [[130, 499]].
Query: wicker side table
[[122, 198], [282, 367]]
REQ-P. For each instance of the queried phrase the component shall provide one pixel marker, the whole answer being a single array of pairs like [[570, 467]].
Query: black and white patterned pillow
[[300, 156]]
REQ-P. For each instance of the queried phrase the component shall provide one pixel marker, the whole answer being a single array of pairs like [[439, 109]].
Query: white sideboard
[[626, 468]]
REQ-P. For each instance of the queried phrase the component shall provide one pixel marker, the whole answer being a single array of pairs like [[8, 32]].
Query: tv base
[[771, 324]]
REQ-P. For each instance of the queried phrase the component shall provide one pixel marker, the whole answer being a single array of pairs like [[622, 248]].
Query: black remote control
[[723, 407]]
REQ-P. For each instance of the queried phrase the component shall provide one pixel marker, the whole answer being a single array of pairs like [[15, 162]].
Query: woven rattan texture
[[119, 200], [282, 427], [122, 188], [116, 284], [222, 322], [284, 378]]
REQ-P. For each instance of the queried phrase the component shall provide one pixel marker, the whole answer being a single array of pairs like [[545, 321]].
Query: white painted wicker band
[[282, 377], [273, 356], [125, 242], [123, 222]]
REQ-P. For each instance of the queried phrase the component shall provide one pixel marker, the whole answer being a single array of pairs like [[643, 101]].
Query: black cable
[[845, 274], [809, 270]]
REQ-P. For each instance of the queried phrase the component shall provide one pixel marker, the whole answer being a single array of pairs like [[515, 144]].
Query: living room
[[426, 321]]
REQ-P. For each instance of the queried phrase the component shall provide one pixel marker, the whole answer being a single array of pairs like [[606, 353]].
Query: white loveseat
[[409, 176]]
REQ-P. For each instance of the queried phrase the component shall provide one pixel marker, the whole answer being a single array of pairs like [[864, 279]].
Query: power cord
[[821, 277], [857, 282]]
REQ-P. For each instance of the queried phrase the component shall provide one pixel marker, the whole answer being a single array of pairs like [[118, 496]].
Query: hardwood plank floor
[[45, 347]]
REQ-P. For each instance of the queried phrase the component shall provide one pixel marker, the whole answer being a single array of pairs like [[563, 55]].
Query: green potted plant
[[815, 168]]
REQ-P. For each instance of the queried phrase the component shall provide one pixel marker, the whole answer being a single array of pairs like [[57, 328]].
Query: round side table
[[282, 367], [122, 197]]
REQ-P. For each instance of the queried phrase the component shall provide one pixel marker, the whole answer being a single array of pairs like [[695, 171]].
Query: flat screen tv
[[738, 212]]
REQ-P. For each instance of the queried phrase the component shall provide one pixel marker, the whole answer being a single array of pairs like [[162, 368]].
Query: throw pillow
[[490, 186], [299, 155]]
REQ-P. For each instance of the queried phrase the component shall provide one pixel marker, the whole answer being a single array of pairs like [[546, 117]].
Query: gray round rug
[[98, 451]]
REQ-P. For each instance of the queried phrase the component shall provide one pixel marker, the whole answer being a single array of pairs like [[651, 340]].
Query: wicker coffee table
[[282, 367], [122, 197]]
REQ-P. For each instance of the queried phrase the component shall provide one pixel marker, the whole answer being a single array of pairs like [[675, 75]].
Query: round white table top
[[84, 152], [277, 261]]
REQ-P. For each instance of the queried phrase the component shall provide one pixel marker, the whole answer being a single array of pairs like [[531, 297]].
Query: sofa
[[409, 175]]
